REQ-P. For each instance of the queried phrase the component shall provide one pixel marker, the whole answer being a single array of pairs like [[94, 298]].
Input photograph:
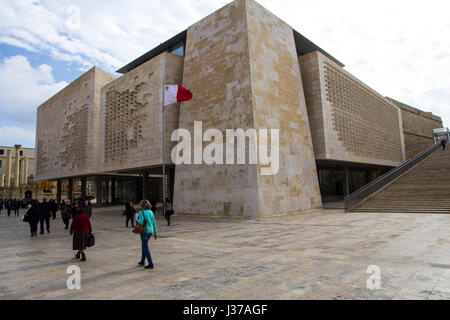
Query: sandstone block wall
[[241, 65], [67, 128], [130, 129], [278, 102], [417, 128], [349, 121]]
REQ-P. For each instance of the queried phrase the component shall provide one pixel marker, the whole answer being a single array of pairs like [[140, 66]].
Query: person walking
[[33, 217], [80, 228], [75, 206], [146, 218], [9, 206], [54, 208], [1, 206], [87, 207], [169, 210], [16, 207], [443, 143], [46, 213], [130, 212], [66, 213]]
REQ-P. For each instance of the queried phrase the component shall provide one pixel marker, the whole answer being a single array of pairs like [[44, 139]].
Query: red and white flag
[[176, 93]]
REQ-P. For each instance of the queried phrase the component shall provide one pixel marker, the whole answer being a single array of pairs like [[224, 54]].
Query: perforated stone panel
[[68, 127], [349, 121], [366, 124], [130, 117]]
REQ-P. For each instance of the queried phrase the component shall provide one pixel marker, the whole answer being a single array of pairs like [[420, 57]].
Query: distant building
[[246, 68], [17, 174]]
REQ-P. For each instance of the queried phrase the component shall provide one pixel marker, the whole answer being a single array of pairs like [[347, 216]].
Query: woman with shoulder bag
[[146, 226]]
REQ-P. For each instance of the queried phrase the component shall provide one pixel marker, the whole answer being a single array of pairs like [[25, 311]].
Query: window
[[0, 163], [2, 151], [178, 49], [21, 153]]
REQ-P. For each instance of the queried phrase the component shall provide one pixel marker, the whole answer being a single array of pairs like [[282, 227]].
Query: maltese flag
[[176, 93]]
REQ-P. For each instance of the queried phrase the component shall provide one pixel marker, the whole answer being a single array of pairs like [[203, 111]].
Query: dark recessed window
[[2, 151], [0, 163], [21, 153], [178, 49]]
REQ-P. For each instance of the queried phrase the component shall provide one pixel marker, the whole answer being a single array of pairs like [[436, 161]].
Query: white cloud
[[400, 48], [22, 89], [11, 135]]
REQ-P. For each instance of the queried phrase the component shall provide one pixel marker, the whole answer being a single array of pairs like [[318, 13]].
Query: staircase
[[424, 188]]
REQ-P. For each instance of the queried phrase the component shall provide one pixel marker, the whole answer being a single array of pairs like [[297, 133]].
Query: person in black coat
[[54, 208], [66, 212], [33, 216], [1, 206], [130, 211], [46, 213], [9, 206], [443, 143], [87, 208]]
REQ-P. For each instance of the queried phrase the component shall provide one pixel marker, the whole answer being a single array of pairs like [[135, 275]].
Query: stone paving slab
[[316, 255]]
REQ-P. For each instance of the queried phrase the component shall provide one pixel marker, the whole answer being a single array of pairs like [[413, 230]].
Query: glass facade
[[178, 49], [334, 179]]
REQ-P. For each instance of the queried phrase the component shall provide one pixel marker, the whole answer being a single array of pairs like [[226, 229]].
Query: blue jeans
[[145, 251]]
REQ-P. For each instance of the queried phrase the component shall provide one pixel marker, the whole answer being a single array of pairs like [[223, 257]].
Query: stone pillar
[[346, 182], [70, 189], [83, 187], [145, 186], [25, 170], [8, 170], [58, 191], [16, 166], [99, 190], [2, 180]]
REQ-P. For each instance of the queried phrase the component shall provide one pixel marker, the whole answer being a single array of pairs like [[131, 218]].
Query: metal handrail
[[363, 193]]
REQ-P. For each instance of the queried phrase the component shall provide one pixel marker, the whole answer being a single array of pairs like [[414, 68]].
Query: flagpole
[[163, 148]]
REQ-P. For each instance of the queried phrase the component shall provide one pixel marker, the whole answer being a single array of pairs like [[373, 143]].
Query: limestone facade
[[67, 133], [131, 123], [349, 121], [417, 128], [247, 69], [26, 165]]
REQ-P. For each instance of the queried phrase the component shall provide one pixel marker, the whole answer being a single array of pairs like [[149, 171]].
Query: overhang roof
[[305, 46], [153, 53]]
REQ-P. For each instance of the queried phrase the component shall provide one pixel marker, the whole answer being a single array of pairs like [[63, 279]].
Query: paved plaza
[[316, 255]]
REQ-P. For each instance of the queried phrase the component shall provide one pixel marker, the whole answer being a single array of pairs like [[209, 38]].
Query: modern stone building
[[247, 69]]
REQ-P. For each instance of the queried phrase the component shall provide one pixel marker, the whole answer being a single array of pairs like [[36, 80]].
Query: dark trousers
[[54, 215], [66, 222], [145, 251], [443, 147], [16, 211], [130, 218], [33, 226], [45, 219], [9, 212]]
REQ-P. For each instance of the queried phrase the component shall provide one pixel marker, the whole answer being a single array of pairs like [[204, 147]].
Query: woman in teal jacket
[[148, 215]]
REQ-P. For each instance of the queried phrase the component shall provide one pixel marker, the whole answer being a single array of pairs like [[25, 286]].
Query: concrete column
[[2, 180], [99, 191], [25, 170], [346, 182], [83, 187], [70, 189], [16, 166], [8, 170], [145, 186], [58, 191]]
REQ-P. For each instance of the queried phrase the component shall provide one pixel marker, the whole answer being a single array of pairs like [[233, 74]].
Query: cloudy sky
[[400, 48]]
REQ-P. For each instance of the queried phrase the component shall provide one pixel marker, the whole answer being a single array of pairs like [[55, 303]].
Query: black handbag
[[90, 240]]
